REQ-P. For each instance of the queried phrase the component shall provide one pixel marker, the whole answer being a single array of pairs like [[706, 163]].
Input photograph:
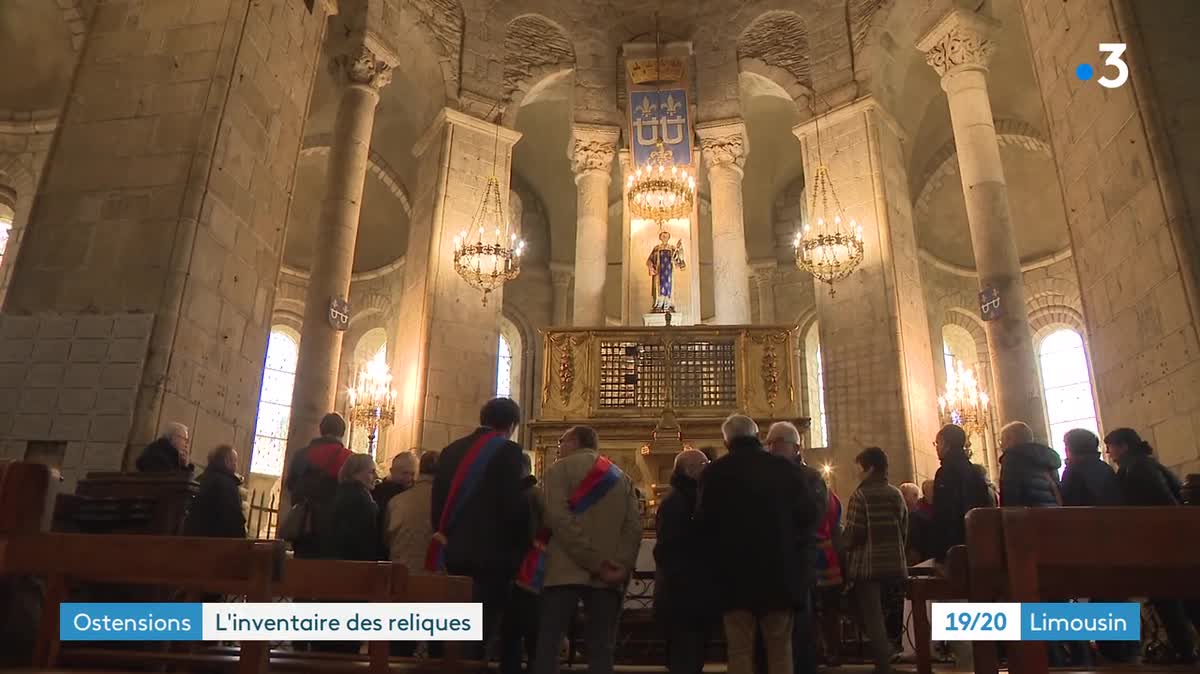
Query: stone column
[[560, 280], [591, 151], [959, 49], [361, 75], [723, 146], [764, 283]]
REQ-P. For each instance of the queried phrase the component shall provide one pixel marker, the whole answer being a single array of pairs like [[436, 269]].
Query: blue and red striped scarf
[[467, 478], [598, 481]]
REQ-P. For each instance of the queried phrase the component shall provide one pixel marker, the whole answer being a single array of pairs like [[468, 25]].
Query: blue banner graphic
[[660, 115], [130, 622], [1078, 621]]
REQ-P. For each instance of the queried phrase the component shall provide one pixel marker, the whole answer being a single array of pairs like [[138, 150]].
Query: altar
[[652, 391]]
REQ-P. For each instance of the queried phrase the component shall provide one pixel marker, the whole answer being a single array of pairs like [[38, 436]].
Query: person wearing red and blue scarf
[[480, 514], [591, 547]]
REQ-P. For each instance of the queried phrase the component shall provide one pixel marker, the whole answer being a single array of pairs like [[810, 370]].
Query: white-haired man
[[170, 452], [753, 509], [783, 440]]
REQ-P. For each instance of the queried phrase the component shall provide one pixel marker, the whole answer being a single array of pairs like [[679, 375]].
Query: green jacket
[[609, 530]]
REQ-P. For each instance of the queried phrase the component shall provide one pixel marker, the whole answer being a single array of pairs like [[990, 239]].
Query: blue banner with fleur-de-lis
[[656, 115]]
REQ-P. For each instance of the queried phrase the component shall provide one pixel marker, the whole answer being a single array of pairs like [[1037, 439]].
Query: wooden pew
[[23, 496], [194, 564], [1055, 554], [925, 589], [986, 581]]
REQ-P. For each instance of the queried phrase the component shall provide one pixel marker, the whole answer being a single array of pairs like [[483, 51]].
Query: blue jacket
[[1029, 476]]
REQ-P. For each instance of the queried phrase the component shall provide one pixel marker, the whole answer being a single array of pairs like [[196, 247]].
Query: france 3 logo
[[1085, 71]]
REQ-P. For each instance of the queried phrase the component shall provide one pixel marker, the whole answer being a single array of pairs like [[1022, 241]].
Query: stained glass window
[[504, 373], [274, 405], [1067, 386]]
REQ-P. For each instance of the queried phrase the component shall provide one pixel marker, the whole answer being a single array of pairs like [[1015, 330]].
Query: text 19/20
[[976, 621]]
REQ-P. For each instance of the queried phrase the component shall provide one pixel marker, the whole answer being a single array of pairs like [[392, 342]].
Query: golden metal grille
[[697, 374]]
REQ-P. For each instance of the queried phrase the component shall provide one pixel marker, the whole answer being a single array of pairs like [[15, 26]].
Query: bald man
[[400, 478], [682, 598]]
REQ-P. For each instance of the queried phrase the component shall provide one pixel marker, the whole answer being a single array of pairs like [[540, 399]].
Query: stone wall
[[201, 104], [71, 379], [1133, 247]]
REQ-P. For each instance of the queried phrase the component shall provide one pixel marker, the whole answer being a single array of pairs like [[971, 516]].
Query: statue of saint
[[661, 263]]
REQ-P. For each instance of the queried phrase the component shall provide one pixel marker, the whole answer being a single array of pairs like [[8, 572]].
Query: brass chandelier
[[660, 190], [834, 248], [488, 254], [373, 401], [964, 403]]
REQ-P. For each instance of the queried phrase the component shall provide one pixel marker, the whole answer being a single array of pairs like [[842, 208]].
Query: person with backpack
[[311, 482]]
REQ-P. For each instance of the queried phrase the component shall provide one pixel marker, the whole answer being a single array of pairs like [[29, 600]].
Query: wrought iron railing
[[264, 515]]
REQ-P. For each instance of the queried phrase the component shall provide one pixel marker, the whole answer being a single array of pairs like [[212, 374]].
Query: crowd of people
[[753, 544]]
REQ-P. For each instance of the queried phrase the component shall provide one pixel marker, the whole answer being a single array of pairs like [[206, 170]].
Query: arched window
[[6, 220], [509, 364], [275, 403], [815, 371], [504, 369], [1067, 385], [372, 346]]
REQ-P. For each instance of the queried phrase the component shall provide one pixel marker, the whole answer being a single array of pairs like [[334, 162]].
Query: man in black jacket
[[958, 486], [1028, 469], [683, 601], [217, 508], [169, 453], [491, 532], [1087, 479], [752, 509]]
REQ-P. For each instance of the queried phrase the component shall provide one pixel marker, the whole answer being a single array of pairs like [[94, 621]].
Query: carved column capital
[[592, 148], [764, 271], [961, 39], [723, 143], [561, 274], [362, 67]]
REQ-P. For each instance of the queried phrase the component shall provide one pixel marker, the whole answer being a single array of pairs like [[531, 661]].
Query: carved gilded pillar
[[591, 151], [360, 74], [723, 146], [959, 48]]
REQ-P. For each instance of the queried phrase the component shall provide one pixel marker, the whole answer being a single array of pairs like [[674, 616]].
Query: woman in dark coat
[[1028, 469], [217, 509], [350, 533], [1146, 482]]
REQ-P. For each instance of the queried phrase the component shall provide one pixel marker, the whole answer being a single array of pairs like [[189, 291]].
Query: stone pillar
[[445, 363], [149, 261], [959, 49], [560, 279], [723, 146], [765, 272], [361, 74], [876, 359], [591, 151]]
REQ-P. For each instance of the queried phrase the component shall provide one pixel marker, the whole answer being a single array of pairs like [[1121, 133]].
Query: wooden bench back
[[198, 564], [1060, 553], [985, 555], [1057, 553], [23, 495]]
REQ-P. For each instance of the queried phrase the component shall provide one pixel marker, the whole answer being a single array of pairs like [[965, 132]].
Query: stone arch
[[1048, 292], [966, 320], [318, 146], [943, 165], [883, 32], [17, 172], [859, 16], [775, 46], [444, 22], [1051, 318], [536, 50]]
